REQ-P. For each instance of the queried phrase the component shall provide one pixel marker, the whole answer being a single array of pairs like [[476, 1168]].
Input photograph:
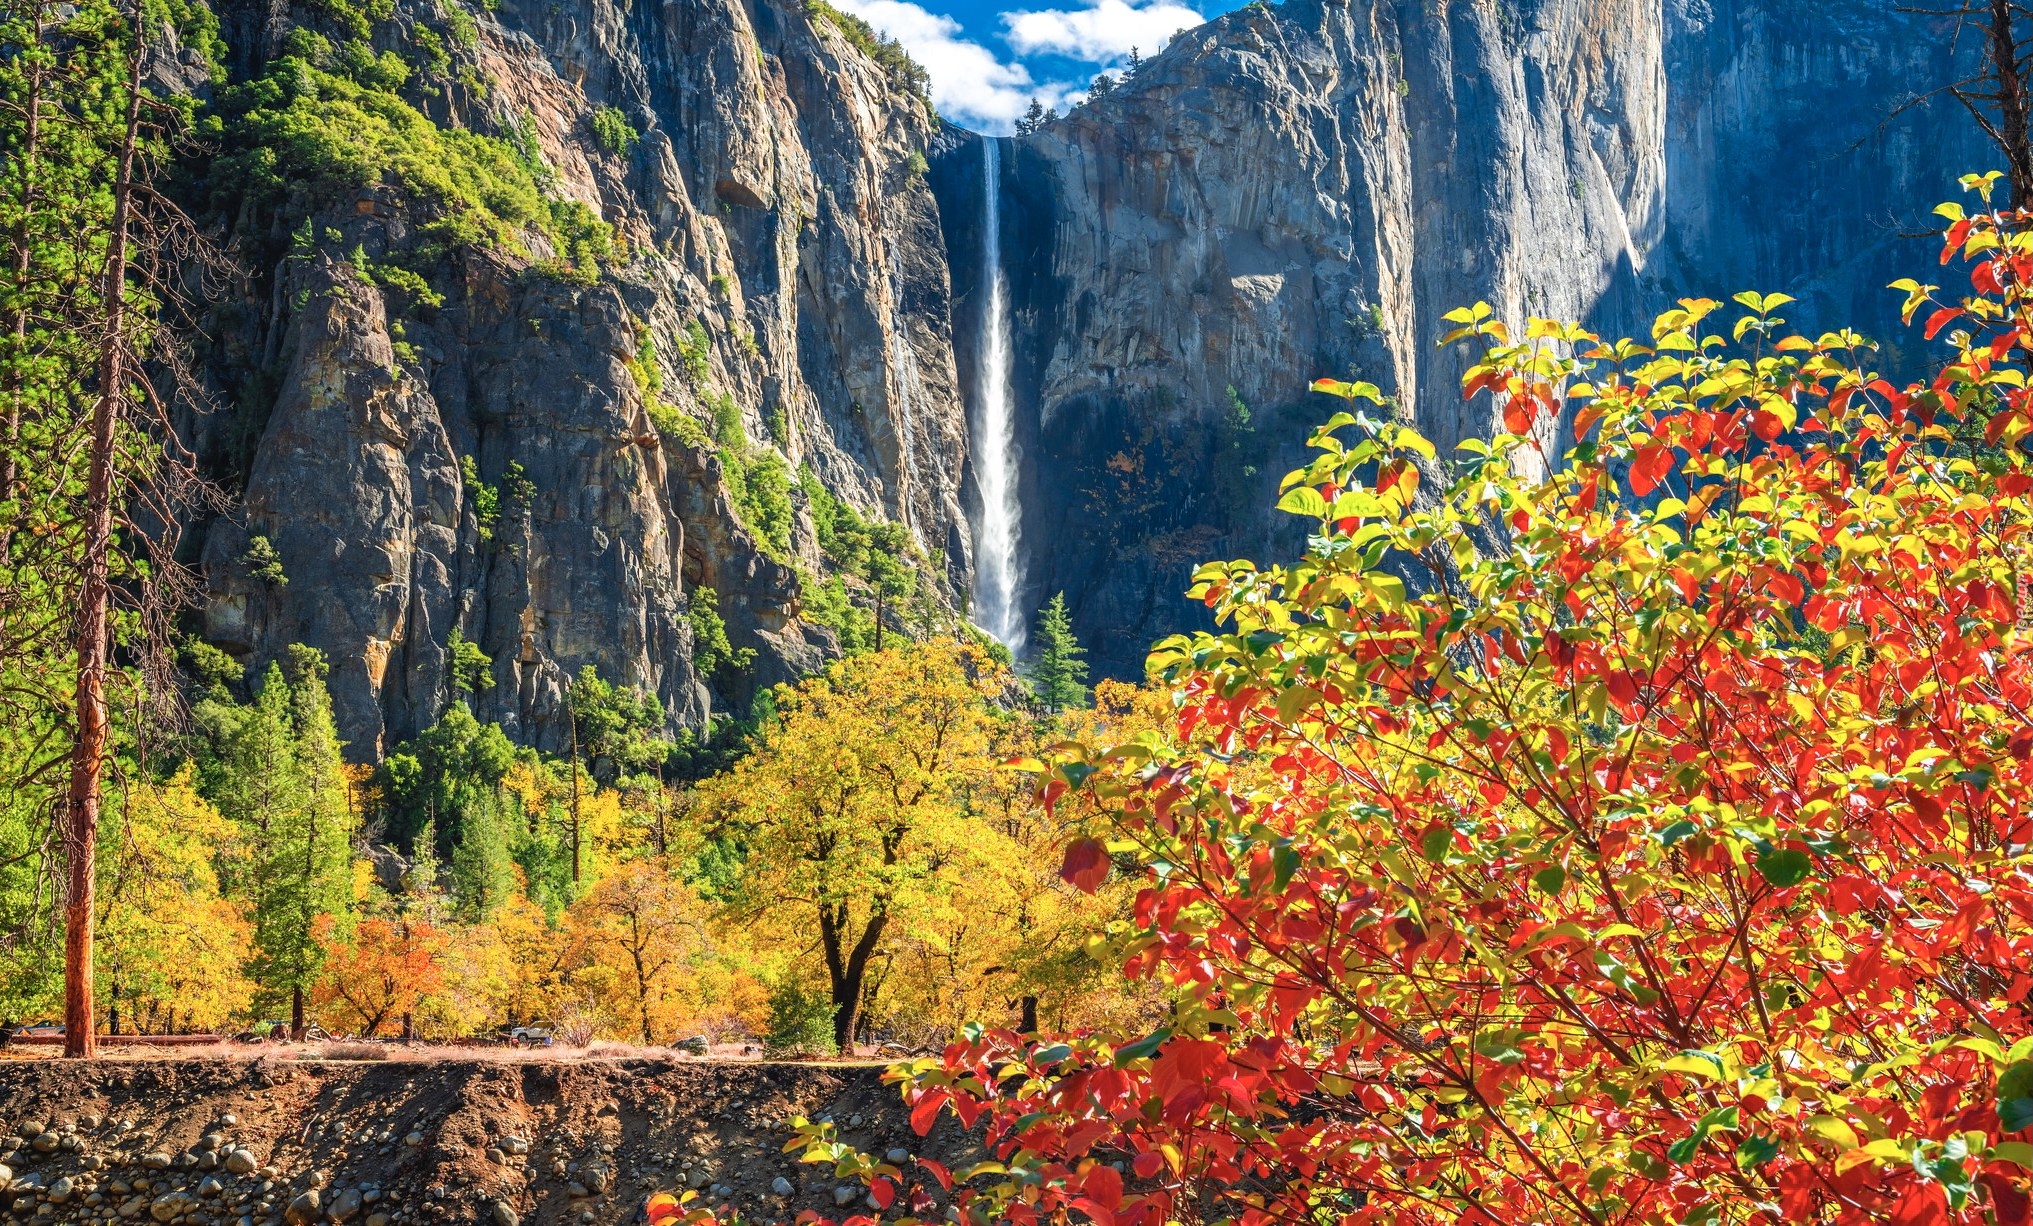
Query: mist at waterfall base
[[998, 567]]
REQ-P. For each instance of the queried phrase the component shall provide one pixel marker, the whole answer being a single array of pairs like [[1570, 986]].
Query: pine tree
[[280, 781], [1032, 119], [1057, 675], [87, 393]]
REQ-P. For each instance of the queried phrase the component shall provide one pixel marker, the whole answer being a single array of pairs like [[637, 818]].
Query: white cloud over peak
[[1102, 32], [975, 86], [969, 83]]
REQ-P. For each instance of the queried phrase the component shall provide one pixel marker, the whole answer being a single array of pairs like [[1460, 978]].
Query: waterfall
[[998, 570]]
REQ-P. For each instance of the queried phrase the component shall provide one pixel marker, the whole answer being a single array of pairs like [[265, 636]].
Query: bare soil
[[394, 1136]]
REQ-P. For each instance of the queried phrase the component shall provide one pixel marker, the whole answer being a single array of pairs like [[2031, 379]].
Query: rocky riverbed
[[263, 1142]]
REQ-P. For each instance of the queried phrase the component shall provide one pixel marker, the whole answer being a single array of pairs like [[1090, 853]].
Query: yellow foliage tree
[[857, 798], [171, 949], [635, 939]]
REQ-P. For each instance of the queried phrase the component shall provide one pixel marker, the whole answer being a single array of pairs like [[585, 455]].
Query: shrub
[[1660, 859], [323, 123], [613, 131], [800, 1022]]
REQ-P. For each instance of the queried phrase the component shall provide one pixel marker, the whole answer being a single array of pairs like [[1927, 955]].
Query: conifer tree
[[280, 781], [1057, 676]]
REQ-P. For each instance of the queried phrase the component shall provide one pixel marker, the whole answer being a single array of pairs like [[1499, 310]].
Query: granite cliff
[[535, 460], [539, 460], [1304, 190]]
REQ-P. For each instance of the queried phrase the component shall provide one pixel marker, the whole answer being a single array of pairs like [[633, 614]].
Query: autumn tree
[[1661, 859], [636, 935], [171, 946], [378, 970], [855, 799]]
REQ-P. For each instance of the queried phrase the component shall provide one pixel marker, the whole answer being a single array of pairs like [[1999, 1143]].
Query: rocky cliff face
[[779, 249], [1300, 191], [1282, 194]]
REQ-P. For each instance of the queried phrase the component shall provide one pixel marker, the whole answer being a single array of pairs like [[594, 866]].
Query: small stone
[[28, 1130], [854, 1121], [157, 1161], [242, 1162], [304, 1209], [780, 1186], [229, 1119], [505, 1215], [377, 1219], [6, 1178], [413, 1140], [45, 1143], [596, 1177], [898, 1156], [575, 1188], [61, 1191], [168, 1206], [344, 1205], [844, 1195]]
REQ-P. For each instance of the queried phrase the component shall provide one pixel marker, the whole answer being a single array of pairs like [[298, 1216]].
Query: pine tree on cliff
[[1057, 676]]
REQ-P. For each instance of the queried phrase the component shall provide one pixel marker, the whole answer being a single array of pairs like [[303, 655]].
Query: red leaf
[[926, 1111], [1102, 1215], [938, 1172], [1147, 1164], [1086, 865], [1649, 467], [2008, 1200], [1518, 415], [1104, 1185], [1923, 1205], [884, 1193], [1939, 320]]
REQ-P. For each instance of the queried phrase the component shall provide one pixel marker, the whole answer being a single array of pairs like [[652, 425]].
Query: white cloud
[[1101, 33], [974, 86], [969, 84]]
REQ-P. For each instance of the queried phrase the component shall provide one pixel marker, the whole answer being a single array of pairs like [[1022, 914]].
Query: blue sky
[[987, 62]]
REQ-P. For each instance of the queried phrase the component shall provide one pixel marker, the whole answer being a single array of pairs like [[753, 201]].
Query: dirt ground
[[507, 1138]]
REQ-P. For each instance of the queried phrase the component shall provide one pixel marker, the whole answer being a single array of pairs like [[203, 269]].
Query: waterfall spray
[[998, 569]]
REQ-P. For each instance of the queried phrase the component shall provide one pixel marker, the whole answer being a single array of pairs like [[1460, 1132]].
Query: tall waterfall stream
[[998, 566]]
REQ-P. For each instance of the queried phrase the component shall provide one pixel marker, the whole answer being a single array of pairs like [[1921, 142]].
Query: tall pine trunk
[[88, 754]]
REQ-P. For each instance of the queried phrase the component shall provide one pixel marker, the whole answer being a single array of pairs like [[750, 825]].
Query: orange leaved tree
[[379, 973], [1646, 842]]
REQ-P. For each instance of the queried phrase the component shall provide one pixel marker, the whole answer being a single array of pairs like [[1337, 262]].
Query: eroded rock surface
[[1304, 190]]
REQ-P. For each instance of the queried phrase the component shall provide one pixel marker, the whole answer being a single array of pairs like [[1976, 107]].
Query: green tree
[[443, 796], [82, 582], [279, 779], [1057, 675]]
